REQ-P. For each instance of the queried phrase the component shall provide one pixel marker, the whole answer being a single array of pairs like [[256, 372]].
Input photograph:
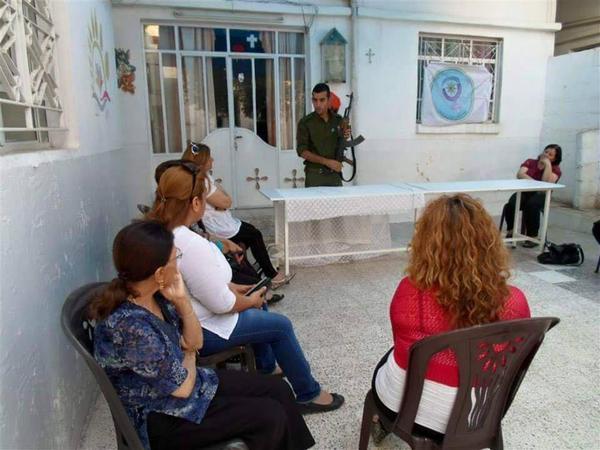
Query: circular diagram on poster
[[452, 94]]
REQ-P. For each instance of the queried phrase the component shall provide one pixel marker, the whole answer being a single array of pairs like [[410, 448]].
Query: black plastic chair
[[80, 332], [492, 361]]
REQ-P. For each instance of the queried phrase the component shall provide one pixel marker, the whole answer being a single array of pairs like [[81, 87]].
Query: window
[[189, 90], [461, 50], [29, 102]]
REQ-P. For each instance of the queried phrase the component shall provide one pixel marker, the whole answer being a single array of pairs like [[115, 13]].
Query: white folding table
[[318, 203], [322, 203], [511, 185]]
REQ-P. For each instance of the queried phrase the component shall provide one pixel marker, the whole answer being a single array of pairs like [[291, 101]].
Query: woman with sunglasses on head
[[457, 277], [146, 338], [242, 271], [230, 317], [219, 221]]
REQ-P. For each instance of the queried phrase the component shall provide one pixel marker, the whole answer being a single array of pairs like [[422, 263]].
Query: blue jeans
[[273, 340]]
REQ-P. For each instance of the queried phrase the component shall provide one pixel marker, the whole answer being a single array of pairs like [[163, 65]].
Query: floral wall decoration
[[125, 71], [98, 63]]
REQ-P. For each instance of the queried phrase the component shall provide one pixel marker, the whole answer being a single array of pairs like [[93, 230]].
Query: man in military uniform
[[317, 141]]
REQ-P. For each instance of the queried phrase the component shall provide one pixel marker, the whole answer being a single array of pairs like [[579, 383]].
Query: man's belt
[[320, 170]]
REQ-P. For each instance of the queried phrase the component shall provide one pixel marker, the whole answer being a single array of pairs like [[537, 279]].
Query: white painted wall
[[395, 151], [481, 10], [572, 106], [59, 211]]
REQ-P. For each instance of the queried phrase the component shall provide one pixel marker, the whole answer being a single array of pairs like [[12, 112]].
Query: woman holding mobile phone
[[229, 317]]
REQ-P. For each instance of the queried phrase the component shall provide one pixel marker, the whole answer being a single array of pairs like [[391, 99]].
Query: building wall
[[386, 90], [530, 11], [572, 106], [396, 150], [59, 211], [580, 21]]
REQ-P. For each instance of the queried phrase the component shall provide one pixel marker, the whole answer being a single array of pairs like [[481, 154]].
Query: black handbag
[[563, 254]]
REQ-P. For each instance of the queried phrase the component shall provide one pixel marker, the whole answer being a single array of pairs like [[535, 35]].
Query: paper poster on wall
[[125, 71], [98, 63], [455, 94]]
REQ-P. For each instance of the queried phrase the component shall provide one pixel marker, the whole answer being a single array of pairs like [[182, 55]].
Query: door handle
[[239, 137]]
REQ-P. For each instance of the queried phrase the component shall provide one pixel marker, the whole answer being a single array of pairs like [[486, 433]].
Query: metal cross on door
[[294, 180], [256, 178]]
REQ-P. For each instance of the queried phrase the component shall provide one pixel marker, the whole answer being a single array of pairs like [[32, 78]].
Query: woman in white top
[[229, 317], [219, 221]]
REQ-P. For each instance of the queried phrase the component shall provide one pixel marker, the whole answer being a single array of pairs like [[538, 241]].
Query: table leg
[[276, 211], [286, 244], [516, 223], [544, 229]]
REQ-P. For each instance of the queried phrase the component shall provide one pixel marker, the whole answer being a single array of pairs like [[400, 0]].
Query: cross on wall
[[370, 54], [252, 40]]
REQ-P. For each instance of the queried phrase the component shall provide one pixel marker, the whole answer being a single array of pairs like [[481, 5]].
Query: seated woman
[[219, 221], [457, 277], [546, 167], [146, 340], [228, 316], [242, 271]]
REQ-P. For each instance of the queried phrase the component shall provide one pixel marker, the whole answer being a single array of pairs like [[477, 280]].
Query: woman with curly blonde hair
[[457, 277]]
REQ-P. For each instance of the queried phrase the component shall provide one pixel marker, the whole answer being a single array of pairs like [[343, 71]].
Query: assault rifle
[[344, 144]]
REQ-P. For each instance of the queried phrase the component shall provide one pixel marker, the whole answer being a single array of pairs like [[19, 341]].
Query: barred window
[[461, 50], [29, 102]]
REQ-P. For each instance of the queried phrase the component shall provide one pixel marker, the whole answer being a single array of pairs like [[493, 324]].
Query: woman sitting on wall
[[457, 277], [219, 221], [546, 167], [146, 340], [228, 316]]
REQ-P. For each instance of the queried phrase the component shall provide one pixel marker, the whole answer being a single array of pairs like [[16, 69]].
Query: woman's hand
[[231, 247], [240, 288], [176, 292], [258, 298]]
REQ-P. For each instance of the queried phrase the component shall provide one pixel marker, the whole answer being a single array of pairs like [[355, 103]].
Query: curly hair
[[457, 253]]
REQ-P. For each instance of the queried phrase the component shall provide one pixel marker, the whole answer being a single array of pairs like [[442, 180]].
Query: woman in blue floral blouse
[[146, 340]]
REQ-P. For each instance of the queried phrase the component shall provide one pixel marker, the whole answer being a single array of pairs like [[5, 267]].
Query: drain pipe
[[354, 66]]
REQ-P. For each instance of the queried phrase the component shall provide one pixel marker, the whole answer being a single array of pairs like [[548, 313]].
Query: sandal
[[286, 280], [314, 408], [275, 298]]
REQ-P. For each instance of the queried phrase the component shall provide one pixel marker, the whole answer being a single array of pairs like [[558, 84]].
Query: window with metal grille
[[461, 50], [29, 103]]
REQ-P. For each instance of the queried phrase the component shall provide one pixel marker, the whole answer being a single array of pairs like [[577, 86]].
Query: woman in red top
[[457, 277], [545, 168]]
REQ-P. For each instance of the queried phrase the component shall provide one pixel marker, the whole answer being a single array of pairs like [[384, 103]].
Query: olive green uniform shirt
[[320, 137]]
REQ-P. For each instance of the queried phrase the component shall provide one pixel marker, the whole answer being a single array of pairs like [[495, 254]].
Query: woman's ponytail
[[110, 298]]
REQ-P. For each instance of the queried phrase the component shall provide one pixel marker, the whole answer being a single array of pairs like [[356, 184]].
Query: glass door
[[254, 130]]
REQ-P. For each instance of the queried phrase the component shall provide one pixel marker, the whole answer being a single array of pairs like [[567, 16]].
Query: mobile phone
[[262, 283]]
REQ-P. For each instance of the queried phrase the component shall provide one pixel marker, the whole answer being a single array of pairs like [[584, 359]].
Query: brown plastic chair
[[80, 332], [492, 361]]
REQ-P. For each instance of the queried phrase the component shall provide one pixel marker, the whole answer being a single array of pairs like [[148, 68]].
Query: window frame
[[422, 59], [33, 99], [228, 54]]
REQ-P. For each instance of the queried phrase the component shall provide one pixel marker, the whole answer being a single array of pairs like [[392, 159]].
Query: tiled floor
[[340, 314]]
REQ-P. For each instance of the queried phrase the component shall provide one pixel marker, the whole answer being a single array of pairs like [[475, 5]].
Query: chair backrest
[[492, 361], [80, 331]]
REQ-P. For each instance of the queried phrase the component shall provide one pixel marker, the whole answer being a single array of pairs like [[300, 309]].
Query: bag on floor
[[563, 254]]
